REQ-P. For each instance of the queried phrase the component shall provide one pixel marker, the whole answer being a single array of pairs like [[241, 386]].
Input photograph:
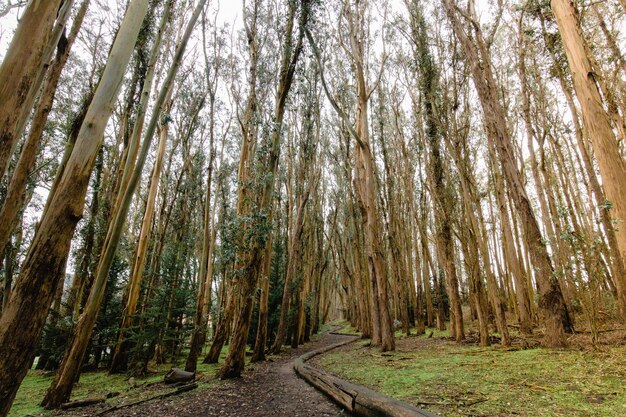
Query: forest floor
[[449, 379], [430, 371], [270, 388]]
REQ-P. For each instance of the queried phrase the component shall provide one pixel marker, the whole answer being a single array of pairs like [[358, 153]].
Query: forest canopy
[[181, 176]]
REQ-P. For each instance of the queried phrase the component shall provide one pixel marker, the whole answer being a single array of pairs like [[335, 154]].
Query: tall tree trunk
[[365, 181], [551, 302], [63, 383], [441, 191], [205, 274], [295, 253], [16, 193], [261, 335], [118, 361], [42, 269], [250, 263], [597, 123], [22, 69]]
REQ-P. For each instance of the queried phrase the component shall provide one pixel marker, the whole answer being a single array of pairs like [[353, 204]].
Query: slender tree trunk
[[16, 192], [42, 269], [61, 387], [552, 304], [295, 249], [596, 121], [250, 264], [21, 69], [118, 361], [261, 335]]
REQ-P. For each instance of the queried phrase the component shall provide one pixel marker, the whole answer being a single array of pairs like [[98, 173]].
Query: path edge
[[357, 399]]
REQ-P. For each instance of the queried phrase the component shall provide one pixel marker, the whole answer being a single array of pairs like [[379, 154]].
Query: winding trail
[[265, 389]]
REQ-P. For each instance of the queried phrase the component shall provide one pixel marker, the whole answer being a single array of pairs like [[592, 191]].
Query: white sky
[[229, 12]]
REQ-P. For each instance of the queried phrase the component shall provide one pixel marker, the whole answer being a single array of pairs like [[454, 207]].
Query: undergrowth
[[448, 379], [100, 383]]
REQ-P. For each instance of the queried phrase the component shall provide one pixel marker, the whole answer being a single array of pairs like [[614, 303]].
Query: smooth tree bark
[[22, 70], [16, 193], [119, 357], [616, 262], [22, 321], [209, 232], [118, 360], [61, 388], [261, 335], [597, 123], [551, 302], [295, 254], [365, 181], [250, 263], [239, 304]]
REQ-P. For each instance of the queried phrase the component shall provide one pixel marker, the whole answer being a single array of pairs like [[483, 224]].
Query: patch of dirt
[[265, 389]]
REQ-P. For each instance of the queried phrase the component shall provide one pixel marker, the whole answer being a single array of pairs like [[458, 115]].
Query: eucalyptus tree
[[555, 314], [443, 194], [23, 67], [214, 64], [304, 182], [354, 36], [248, 122], [596, 122], [249, 262], [16, 193], [42, 268], [139, 260], [67, 374]]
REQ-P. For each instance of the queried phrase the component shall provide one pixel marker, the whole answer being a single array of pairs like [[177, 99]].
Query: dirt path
[[265, 389]]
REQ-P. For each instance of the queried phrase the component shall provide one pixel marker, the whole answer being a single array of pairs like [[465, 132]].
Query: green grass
[[92, 384], [453, 380], [100, 383], [342, 326]]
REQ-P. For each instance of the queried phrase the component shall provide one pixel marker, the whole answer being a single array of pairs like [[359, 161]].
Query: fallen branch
[[600, 331], [481, 400], [179, 390], [433, 403], [82, 403]]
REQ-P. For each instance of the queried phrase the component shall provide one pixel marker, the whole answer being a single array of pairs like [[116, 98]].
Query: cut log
[[178, 375], [357, 399]]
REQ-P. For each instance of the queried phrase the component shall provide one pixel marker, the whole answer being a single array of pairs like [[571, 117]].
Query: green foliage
[[607, 205], [56, 333], [278, 266]]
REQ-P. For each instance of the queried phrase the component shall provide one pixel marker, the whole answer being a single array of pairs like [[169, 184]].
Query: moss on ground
[[455, 380], [100, 383], [343, 326]]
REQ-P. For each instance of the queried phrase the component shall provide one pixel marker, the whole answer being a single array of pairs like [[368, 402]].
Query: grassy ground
[[100, 383], [342, 326], [457, 380]]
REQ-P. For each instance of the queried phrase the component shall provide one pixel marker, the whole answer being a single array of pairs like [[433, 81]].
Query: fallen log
[[357, 399]]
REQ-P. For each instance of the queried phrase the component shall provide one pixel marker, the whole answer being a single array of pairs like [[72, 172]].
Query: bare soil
[[265, 389]]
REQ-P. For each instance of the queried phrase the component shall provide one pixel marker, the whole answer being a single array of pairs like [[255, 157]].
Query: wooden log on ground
[[82, 403], [178, 375], [179, 390], [357, 399]]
